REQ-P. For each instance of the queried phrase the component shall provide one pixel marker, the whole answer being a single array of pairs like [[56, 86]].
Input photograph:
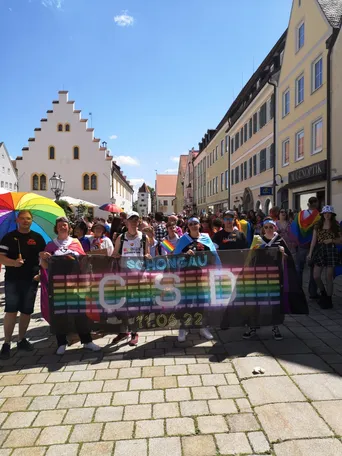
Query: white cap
[[132, 214]]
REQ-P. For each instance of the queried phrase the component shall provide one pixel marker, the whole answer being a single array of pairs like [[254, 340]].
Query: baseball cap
[[227, 213], [132, 214]]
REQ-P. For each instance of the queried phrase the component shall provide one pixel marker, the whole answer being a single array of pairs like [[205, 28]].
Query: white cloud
[[175, 159], [123, 160], [124, 19], [113, 137], [171, 171], [52, 3]]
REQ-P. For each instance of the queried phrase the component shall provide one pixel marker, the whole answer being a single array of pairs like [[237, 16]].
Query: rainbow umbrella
[[110, 207], [44, 211]]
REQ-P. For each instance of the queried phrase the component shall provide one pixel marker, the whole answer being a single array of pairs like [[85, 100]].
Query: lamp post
[[57, 185], [276, 185]]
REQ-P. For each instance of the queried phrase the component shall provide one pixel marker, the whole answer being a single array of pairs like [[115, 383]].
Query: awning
[[77, 202]]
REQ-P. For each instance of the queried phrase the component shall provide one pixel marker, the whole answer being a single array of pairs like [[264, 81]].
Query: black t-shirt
[[228, 241], [29, 245], [195, 246]]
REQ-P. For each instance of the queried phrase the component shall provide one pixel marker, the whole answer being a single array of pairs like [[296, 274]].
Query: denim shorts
[[20, 295]]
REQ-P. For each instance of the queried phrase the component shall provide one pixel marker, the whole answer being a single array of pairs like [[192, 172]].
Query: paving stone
[[82, 376], [131, 447], [31, 451], [164, 382], [155, 371], [232, 379], [141, 362], [98, 399], [175, 370], [189, 380], [86, 432], [96, 449], [3, 416], [331, 412], [304, 364], [44, 403], [320, 387], [126, 397], [245, 366], [105, 414], [221, 368], [14, 391], [165, 410], [180, 426], [243, 405], [94, 386], [118, 430], [130, 372], [5, 452], [49, 418], [190, 408], [64, 388], [79, 415], [222, 406], [199, 445], [119, 363], [70, 449], [23, 419], [197, 369], [287, 347], [211, 424], [151, 397], [177, 394], [204, 392], [57, 377], [165, 446], [259, 442], [243, 422], [149, 428], [230, 391], [266, 390], [115, 385], [107, 374], [185, 360], [138, 412], [10, 380], [54, 434], [214, 380], [313, 447], [233, 443], [71, 401], [39, 390], [16, 404], [163, 361], [3, 435], [140, 384], [33, 379], [291, 421]]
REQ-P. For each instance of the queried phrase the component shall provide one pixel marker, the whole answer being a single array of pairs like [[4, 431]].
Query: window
[[317, 74], [226, 179], [300, 90], [232, 146], [216, 153], [241, 136], [42, 184], [8, 171], [222, 182], [10, 186], [210, 184], [216, 184], [67, 127], [286, 152], [250, 163], [254, 165], [263, 160], [2, 184], [250, 127], [226, 143], [317, 136], [165, 203], [286, 102], [272, 107], [59, 127], [210, 156], [76, 153], [232, 177], [222, 147], [86, 182], [300, 145], [3, 170], [272, 156], [245, 132], [51, 153], [237, 141], [262, 116], [237, 174], [300, 36], [255, 122], [6, 185], [93, 182], [208, 189], [245, 170], [241, 172], [35, 182]]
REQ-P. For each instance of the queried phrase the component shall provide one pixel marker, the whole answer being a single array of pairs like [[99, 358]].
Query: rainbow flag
[[302, 228], [167, 246]]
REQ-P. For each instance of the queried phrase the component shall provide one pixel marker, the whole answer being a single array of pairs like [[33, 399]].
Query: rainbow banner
[[167, 291], [167, 246]]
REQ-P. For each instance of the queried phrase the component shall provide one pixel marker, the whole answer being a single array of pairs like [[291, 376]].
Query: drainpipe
[[274, 84]]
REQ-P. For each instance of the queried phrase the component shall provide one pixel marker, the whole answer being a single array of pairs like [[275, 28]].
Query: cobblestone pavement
[[198, 398]]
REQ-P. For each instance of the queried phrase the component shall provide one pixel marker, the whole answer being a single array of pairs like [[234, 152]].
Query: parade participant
[[189, 244], [19, 252], [99, 241], [80, 232], [160, 231], [174, 219], [258, 225], [217, 225], [171, 238], [115, 229], [207, 226], [284, 229], [302, 229], [63, 245], [152, 242], [131, 243], [327, 233], [228, 238], [274, 213]]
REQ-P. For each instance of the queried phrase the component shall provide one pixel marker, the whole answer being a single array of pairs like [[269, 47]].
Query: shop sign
[[266, 191], [317, 171]]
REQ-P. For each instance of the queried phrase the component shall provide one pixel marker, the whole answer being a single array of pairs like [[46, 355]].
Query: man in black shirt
[[229, 238], [19, 252]]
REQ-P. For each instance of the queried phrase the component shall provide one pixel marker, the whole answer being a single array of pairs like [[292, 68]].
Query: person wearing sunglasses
[[229, 238], [284, 229]]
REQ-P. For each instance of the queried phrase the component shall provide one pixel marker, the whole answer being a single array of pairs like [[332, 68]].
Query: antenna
[[91, 119]]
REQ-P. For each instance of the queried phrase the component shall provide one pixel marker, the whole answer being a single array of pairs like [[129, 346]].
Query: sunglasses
[[269, 227], [133, 219], [228, 219], [283, 212], [193, 223]]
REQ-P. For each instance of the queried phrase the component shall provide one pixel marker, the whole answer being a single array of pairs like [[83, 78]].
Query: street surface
[[164, 398]]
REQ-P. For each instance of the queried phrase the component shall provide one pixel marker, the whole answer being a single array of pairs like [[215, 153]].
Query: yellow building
[[302, 104], [178, 202]]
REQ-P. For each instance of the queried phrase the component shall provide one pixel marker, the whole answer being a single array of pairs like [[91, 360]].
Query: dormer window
[[60, 127]]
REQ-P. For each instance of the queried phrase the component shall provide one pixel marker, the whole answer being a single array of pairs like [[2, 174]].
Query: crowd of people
[[308, 237]]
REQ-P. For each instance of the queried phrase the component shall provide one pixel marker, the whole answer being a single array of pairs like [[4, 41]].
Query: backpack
[[142, 242]]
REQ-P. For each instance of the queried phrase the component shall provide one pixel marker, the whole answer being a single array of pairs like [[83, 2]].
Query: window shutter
[[272, 107], [268, 157], [258, 163]]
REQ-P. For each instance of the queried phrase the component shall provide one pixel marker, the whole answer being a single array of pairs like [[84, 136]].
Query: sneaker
[[182, 333], [61, 350], [25, 345], [204, 332], [249, 334], [91, 346], [277, 334], [134, 340], [5, 351], [119, 338]]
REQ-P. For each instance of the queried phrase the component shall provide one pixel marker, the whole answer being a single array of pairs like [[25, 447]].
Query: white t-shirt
[[101, 243], [133, 247]]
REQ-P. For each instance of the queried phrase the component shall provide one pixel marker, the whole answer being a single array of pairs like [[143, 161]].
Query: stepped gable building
[[144, 200], [65, 145]]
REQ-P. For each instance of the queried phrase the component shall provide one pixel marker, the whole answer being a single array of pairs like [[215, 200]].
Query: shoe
[[204, 332], [182, 333], [25, 345], [277, 334], [249, 334], [119, 338], [5, 351], [61, 350], [134, 340], [91, 346], [325, 302]]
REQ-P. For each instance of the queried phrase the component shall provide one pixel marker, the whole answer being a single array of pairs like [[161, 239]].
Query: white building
[[8, 174], [64, 144], [144, 200]]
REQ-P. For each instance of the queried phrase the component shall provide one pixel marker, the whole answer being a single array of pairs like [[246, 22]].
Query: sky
[[155, 74]]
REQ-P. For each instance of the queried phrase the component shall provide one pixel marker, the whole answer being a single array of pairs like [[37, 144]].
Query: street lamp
[[276, 185], [57, 185]]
